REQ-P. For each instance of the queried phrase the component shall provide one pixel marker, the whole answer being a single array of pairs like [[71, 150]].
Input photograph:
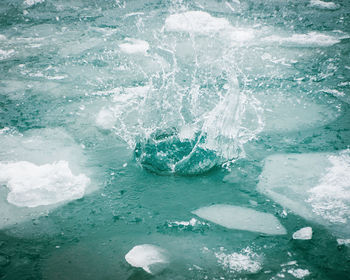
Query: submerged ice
[[236, 217]]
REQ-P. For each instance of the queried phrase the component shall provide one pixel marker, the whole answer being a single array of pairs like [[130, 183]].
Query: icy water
[[175, 139]]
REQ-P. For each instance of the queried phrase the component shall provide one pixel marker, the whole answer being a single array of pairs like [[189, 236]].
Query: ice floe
[[236, 217], [134, 46], [32, 2], [149, 257], [4, 54], [39, 170], [288, 112], [311, 39], [341, 241], [324, 5], [315, 186], [203, 23], [196, 22], [299, 272], [31, 185], [303, 234]]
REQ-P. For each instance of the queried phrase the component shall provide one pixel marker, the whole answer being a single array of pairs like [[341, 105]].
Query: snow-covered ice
[[299, 272], [149, 257], [39, 170], [196, 22], [32, 185], [303, 233]]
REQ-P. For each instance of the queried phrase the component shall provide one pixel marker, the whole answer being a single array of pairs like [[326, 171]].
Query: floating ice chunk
[[33, 2], [244, 261], [6, 53], [195, 21], [315, 186], [31, 185], [324, 5], [235, 217], [310, 39], [105, 119], [343, 241], [241, 34], [27, 163], [299, 273], [303, 234], [134, 46], [149, 257]]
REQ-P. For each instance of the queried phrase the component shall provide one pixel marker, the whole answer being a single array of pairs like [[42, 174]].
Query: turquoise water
[[120, 119]]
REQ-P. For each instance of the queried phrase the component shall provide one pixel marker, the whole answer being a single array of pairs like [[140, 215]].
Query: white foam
[[134, 46], [310, 39], [244, 261], [315, 186], [303, 234], [149, 257], [2, 37], [32, 185], [195, 22], [235, 217], [299, 273], [324, 5]]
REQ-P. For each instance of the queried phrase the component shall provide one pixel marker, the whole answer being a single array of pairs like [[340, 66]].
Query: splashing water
[[188, 116]]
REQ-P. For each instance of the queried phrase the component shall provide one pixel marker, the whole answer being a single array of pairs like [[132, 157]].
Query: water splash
[[190, 112]]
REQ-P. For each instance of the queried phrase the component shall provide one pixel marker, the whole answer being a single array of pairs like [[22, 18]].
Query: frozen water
[[324, 4], [310, 39], [195, 21], [149, 257], [343, 241], [284, 113], [110, 89], [33, 2], [303, 233], [299, 272], [134, 46], [31, 185], [41, 170], [315, 186], [235, 217]]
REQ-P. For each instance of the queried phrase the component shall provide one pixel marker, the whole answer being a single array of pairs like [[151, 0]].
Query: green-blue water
[[168, 107]]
